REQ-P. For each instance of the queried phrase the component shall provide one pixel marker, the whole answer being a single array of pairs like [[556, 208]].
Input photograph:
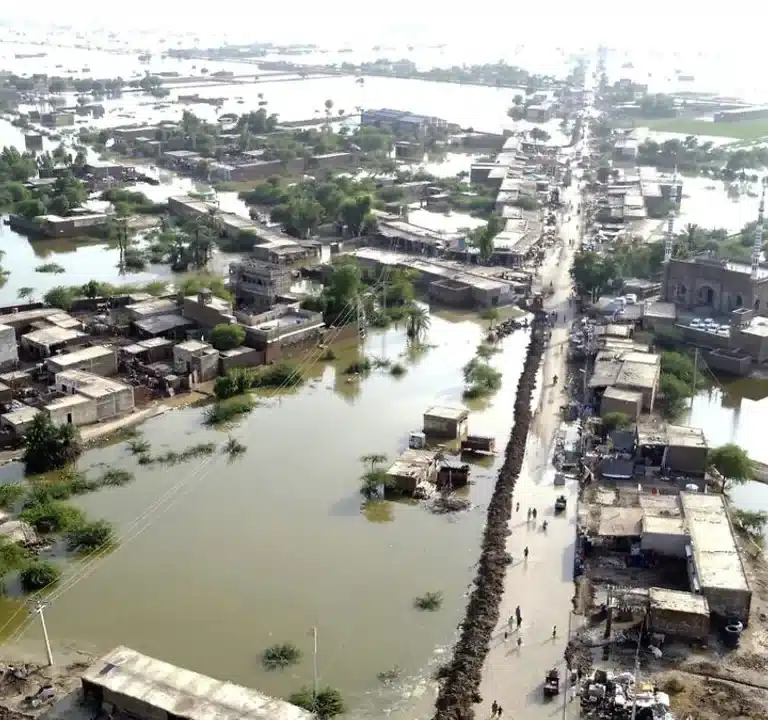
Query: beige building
[[447, 422], [631, 370], [109, 397], [99, 360]]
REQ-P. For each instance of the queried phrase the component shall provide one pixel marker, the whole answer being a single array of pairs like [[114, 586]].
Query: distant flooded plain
[[260, 549]]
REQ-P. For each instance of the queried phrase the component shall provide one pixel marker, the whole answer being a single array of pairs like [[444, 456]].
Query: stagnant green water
[[261, 549]]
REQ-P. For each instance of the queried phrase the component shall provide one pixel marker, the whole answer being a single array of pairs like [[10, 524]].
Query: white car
[[697, 323]]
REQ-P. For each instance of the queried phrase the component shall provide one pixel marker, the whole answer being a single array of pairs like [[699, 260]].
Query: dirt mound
[[461, 676]]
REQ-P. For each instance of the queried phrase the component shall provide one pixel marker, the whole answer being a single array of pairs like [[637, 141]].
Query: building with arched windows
[[719, 286]]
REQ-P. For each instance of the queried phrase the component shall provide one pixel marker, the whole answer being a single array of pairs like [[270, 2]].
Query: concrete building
[[634, 371], [715, 568], [99, 360], [676, 448], [47, 341], [280, 326], [194, 357], [617, 400], [207, 310], [413, 468], [446, 422], [680, 614], [401, 121], [169, 325], [23, 320], [664, 535], [125, 683], [258, 284], [110, 398], [150, 308], [9, 352]]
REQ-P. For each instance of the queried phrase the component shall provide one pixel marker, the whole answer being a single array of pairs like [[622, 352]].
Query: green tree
[[31, 208], [675, 392], [614, 421], [49, 446], [491, 314], [39, 575], [353, 213], [482, 238], [59, 297], [326, 704], [732, 462], [593, 274], [417, 322], [341, 288], [26, 293], [227, 337]]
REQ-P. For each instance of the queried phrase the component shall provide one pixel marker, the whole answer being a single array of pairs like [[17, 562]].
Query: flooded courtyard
[[247, 553]]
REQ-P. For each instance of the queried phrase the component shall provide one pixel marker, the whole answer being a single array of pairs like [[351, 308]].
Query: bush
[[227, 337], [52, 516], [485, 351], [361, 366], [240, 380], [397, 370], [90, 536], [675, 393], [614, 421], [225, 411], [481, 379], [38, 575], [234, 447], [327, 704], [10, 494], [116, 478], [430, 601], [280, 656], [139, 446]]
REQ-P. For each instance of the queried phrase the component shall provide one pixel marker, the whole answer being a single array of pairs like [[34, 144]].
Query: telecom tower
[[669, 240], [757, 246]]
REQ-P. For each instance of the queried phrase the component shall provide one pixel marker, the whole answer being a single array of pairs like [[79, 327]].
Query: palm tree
[[26, 293], [374, 459], [417, 322]]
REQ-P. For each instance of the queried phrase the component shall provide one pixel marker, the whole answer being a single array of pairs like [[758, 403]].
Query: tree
[[675, 392], [353, 213], [50, 446], [539, 135], [491, 314], [227, 337], [593, 273], [614, 421], [732, 462], [26, 293], [326, 704], [417, 322], [374, 459], [39, 575], [482, 238]]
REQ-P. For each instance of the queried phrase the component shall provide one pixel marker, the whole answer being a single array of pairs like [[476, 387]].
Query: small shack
[[412, 468], [446, 422], [618, 400], [682, 614]]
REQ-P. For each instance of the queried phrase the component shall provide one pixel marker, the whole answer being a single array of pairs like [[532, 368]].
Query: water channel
[[261, 549]]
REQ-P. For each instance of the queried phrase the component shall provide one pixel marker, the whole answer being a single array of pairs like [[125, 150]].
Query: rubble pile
[[605, 696], [461, 676]]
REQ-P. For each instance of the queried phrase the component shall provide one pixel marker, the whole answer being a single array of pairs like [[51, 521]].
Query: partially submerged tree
[[327, 703], [50, 446]]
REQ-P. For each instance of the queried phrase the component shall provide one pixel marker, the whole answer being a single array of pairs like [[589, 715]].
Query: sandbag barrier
[[460, 678]]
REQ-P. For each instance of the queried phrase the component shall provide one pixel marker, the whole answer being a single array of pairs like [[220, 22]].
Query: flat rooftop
[[90, 385], [52, 335], [718, 563], [183, 693], [677, 601], [620, 521], [446, 412], [157, 306], [157, 324], [192, 346], [412, 463], [82, 355]]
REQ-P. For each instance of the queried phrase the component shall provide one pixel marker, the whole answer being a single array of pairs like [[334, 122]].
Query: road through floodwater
[[259, 550]]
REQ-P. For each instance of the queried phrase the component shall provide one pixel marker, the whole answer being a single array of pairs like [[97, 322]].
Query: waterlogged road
[[542, 585]]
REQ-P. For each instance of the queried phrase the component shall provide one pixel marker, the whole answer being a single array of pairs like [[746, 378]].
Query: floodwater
[[261, 549], [736, 412]]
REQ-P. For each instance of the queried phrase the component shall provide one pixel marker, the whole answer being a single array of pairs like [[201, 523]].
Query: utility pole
[[314, 666], [695, 367], [38, 609]]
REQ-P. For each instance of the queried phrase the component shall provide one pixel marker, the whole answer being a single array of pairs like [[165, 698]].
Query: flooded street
[[261, 549]]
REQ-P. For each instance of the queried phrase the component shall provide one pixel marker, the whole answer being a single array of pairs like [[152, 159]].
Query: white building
[[109, 398], [9, 352]]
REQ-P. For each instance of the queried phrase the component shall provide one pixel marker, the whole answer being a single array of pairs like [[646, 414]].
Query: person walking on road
[[529, 514], [554, 632], [525, 552], [533, 513], [517, 507], [519, 642], [499, 711], [494, 708]]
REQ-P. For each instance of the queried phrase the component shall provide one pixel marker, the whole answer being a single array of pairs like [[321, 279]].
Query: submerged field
[[738, 130]]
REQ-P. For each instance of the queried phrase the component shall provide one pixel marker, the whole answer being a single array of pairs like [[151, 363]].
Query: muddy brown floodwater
[[259, 550]]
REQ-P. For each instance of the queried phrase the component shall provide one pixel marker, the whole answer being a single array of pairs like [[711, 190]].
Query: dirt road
[[543, 585]]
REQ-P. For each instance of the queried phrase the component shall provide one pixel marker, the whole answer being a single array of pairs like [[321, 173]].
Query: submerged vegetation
[[171, 457], [234, 447], [480, 378], [326, 704], [50, 446], [282, 655], [430, 601], [240, 380], [225, 411]]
